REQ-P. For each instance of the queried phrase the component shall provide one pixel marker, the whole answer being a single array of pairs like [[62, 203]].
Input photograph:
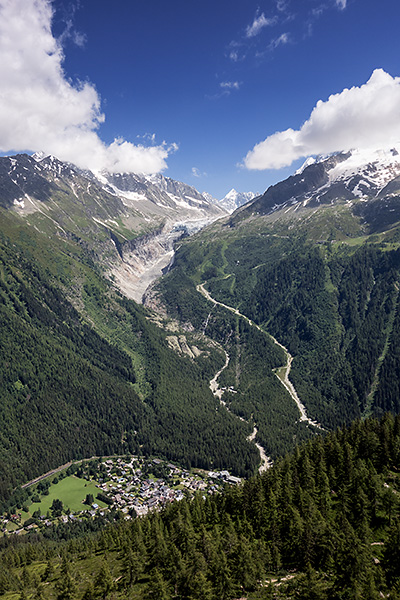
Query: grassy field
[[71, 491]]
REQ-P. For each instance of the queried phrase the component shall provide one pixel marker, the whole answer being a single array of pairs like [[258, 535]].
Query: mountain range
[[369, 180], [314, 261], [110, 214], [273, 326]]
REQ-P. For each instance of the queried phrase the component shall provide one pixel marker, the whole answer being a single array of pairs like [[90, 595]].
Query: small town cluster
[[147, 485], [132, 486]]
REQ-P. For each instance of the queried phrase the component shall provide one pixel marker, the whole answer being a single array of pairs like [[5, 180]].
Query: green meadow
[[71, 491]]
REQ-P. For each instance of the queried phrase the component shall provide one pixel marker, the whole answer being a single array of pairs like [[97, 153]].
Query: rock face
[[126, 222]]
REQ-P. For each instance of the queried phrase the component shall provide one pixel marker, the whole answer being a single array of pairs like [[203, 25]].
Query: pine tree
[[90, 593], [132, 565], [157, 588], [201, 588], [307, 586], [391, 559], [65, 587], [104, 583]]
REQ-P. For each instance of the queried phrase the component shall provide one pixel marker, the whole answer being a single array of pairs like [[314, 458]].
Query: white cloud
[[341, 4], [282, 5], [41, 109], [230, 85], [258, 24], [197, 173], [365, 117], [236, 51], [279, 41]]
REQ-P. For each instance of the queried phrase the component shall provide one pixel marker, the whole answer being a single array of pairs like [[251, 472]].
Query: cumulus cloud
[[341, 4], [41, 109], [365, 117], [258, 24]]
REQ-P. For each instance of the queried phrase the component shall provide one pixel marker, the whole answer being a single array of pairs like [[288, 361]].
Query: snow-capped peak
[[309, 161], [232, 195], [38, 156], [378, 165], [234, 199]]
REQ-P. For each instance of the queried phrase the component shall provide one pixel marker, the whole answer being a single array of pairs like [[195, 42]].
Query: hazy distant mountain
[[234, 199]]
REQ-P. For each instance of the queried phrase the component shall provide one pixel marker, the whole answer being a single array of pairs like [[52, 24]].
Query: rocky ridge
[[127, 222], [355, 177]]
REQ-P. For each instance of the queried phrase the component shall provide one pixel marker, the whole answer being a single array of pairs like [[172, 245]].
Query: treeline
[[322, 524]]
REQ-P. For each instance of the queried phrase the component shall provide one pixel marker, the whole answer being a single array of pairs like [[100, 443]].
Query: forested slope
[[332, 303], [322, 524], [84, 372]]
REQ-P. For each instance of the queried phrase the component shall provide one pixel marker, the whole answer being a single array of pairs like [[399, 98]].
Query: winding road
[[282, 373]]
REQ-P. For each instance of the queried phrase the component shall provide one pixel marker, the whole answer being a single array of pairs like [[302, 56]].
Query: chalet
[[234, 480]]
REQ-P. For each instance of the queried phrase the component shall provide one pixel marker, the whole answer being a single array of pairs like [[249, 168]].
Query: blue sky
[[198, 89]]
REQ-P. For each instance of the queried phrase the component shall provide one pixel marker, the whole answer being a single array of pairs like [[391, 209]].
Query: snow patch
[[377, 167], [309, 161]]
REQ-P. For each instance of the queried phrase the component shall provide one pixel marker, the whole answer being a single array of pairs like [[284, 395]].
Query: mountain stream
[[218, 392], [282, 373]]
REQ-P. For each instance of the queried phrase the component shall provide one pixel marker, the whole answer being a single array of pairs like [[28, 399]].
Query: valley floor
[[132, 485]]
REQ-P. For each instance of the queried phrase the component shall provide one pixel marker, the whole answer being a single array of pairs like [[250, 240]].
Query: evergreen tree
[[90, 592], [157, 588], [65, 587], [104, 582], [391, 560]]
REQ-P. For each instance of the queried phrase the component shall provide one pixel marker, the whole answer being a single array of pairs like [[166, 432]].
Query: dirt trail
[[283, 372]]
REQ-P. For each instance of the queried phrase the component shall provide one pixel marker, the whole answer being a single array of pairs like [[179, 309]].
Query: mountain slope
[[105, 213], [84, 371], [322, 523], [315, 262]]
